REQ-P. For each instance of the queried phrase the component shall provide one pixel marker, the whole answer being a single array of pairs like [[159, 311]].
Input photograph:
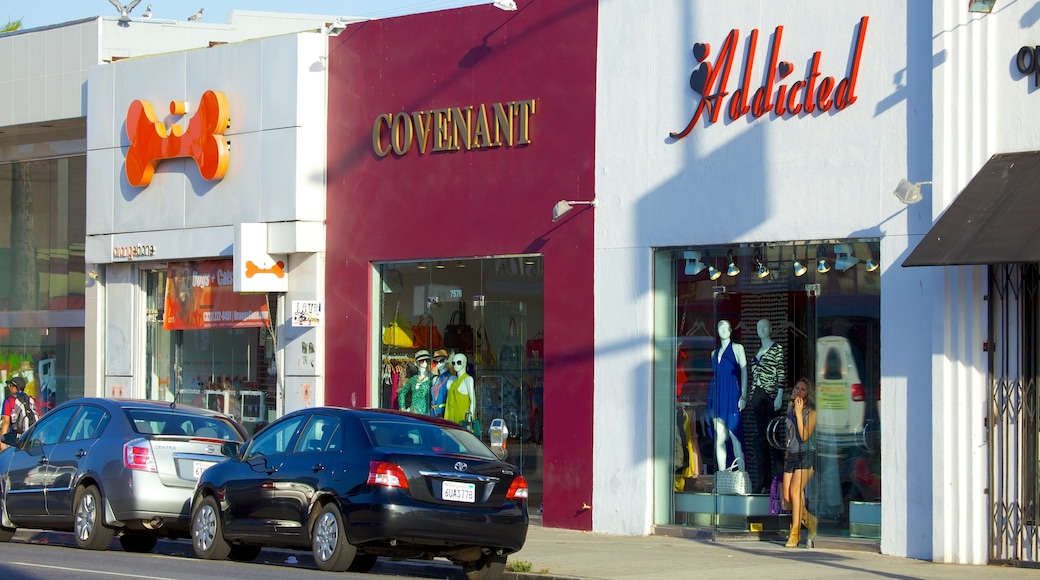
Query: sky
[[36, 13]]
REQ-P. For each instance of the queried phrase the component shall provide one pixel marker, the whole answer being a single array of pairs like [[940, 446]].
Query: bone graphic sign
[[151, 142]]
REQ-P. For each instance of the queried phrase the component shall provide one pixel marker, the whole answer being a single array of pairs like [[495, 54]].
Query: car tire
[[332, 552], [362, 563], [89, 526], [139, 543], [244, 552], [7, 533], [207, 533], [488, 567]]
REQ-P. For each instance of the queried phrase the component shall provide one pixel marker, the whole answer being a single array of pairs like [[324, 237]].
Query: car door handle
[[81, 453], [317, 467], [42, 461], [272, 471]]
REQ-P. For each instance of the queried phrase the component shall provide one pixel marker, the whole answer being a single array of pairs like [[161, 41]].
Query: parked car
[[841, 396], [101, 467], [352, 485]]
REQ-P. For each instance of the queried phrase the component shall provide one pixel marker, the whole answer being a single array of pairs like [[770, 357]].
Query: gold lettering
[[481, 138], [462, 123], [441, 135], [401, 133], [503, 118], [377, 144], [421, 122], [526, 109]]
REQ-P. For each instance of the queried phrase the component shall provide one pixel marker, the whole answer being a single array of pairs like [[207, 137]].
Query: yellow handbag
[[398, 333]]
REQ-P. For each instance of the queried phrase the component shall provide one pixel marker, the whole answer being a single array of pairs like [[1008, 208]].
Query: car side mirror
[[230, 448], [10, 438]]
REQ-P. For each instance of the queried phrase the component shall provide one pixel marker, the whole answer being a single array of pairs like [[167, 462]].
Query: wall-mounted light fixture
[[713, 272], [843, 258], [763, 270], [798, 268], [505, 4], [871, 265], [732, 269], [909, 192], [335, 28], [821, 263], [562, 207], [981, 5], [694, 265]]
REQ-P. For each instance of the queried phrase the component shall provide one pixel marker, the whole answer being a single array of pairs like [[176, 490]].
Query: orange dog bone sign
[[151, 142], [252, 269]]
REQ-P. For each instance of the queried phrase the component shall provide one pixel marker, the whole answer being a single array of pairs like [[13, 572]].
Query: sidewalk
[[566, 554]]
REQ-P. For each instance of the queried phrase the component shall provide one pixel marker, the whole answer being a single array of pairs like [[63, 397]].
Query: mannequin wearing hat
[[461, 396], [439, 386], [418, 385]]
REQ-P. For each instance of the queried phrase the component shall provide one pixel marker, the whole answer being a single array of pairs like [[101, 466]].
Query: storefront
[[455, 148], [205, 226]]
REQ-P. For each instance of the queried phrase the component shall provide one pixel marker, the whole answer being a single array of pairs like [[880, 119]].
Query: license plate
[[197, 467], [454, 491]]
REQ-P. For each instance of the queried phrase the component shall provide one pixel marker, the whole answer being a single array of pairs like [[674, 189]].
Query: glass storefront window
[[231, 370], [745, 320], [486, 313]]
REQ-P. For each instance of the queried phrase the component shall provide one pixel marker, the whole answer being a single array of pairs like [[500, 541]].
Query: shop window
[[750, 320]]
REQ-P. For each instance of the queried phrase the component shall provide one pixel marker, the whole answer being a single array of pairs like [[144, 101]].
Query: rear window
[[395, 435], [154, 422]]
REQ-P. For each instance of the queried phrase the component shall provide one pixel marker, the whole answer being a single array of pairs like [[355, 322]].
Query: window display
[[747, 319]]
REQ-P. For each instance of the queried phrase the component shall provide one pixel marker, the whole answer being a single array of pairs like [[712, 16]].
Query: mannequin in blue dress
[[727, 395]]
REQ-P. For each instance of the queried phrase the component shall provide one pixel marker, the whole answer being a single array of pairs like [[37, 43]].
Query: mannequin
[[461, 396], [768, 376], [727, 395], [418, 385], [439, 385]]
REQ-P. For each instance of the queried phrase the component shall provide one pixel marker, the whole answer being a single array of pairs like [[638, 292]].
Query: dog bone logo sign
[[151, 142], [252, 269]]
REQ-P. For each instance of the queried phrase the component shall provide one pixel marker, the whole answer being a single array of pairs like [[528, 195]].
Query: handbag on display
[[485, 352], [398, 333], [426, 335], [534, 348], [458, 335], [509, 357], [732, 481]]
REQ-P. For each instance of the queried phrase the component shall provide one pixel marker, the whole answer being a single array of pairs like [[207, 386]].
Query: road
[[35, 555]]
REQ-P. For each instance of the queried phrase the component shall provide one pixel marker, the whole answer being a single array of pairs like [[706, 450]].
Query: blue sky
[[36, 13]]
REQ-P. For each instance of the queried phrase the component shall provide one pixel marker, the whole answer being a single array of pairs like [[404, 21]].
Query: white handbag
[[732, 481]]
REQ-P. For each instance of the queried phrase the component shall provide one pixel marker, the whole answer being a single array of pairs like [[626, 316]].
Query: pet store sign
[[811, 92]]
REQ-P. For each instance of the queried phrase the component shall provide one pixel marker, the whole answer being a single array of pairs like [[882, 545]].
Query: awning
[[995, 220]]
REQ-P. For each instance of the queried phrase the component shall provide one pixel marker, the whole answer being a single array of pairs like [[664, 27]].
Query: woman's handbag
[[458, 335], [732, 481], [535, 347], [426, 335], [485, 352], [398, 333]]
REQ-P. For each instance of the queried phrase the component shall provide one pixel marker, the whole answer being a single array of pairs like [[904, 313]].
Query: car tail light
[[386, 474], [517, 489], [137, 454], [857, 392]]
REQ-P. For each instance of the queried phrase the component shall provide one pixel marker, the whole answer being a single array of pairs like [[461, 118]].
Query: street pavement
[[555, 554]]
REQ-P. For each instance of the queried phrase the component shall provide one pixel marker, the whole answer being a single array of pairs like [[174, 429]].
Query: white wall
[[798, 177]]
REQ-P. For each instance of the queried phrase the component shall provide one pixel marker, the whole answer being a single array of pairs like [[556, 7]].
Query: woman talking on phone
[[801, 456]]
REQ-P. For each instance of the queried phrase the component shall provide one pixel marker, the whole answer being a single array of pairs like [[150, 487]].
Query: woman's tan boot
[[792, 539], [811, 523]]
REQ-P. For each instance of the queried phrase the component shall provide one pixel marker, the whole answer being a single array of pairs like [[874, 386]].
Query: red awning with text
[[201, 295]]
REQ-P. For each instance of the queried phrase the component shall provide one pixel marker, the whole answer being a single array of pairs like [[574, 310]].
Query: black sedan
[[352, 485], [101, 467]]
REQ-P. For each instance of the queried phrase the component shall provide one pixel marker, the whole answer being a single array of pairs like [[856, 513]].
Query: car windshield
[[163, 422], [413, 436]]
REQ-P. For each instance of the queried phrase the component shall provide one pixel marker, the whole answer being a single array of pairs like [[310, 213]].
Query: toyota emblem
[[461, 466]]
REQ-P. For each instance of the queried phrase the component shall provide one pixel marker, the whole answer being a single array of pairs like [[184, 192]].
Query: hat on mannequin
[[422, 355]]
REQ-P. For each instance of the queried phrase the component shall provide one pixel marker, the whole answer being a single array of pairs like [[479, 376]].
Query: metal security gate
[[1013, 413]]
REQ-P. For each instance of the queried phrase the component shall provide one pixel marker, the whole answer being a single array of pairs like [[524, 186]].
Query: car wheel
[[6, 534], [488, 567], [140, 543], [244, 552], [207, 537], [91, 533], [332, 551], [362, 563]]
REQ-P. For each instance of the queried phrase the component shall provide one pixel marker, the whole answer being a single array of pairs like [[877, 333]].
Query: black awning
[[995, 220]]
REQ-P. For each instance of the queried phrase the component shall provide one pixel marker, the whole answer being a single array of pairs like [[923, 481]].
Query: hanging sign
[[201, 295], [811, 93]]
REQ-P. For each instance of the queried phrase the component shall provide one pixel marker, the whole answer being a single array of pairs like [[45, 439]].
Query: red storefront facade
[[452, 135]]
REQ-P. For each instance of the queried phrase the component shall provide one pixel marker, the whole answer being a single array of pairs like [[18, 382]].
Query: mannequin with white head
[[727, 394], [462, 398]]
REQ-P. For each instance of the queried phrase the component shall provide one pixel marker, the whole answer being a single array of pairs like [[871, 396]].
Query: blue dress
[[724, 391]]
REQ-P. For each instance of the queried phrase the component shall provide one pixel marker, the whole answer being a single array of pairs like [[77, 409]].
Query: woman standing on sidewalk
[[801, 456]]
